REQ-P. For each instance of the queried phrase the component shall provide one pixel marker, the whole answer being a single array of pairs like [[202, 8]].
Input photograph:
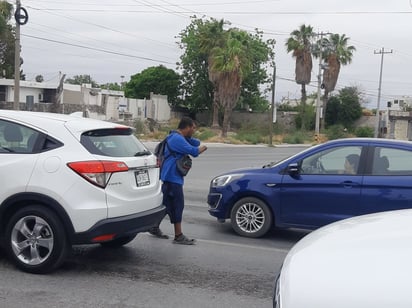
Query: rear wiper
[[143, 153]]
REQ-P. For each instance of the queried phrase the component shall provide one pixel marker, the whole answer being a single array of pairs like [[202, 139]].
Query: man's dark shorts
[[173, 199]]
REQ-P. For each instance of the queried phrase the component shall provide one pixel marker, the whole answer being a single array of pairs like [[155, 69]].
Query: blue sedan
[[325, 183]]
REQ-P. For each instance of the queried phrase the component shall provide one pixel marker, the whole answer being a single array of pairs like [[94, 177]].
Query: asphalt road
[[222, 270]]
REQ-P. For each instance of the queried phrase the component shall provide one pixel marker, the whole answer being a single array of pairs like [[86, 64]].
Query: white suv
[[68, 180]]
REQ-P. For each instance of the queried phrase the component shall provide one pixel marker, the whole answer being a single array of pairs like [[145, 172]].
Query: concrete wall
[[156, 108], [400, 125]]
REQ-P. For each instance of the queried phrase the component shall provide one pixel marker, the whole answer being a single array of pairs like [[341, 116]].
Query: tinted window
[[113, 142], [390, 161], [15, 138]]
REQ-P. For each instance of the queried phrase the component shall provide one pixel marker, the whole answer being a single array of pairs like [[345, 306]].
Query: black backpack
[[159, 151], [183, 164]]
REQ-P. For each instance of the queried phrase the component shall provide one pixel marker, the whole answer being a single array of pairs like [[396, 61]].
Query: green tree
[[299, 43], [197, 40], [230, 64], [112, 86], [337, 53], [81, 79], [224, 64], [159, 80], [344, 108], [212, 37], [252, 84], [7, 39]]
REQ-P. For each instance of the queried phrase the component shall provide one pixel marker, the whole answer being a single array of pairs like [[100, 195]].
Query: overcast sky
[[70, 36]]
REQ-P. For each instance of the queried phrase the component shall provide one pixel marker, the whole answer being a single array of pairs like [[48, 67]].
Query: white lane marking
[[244, 246], [237, 245]]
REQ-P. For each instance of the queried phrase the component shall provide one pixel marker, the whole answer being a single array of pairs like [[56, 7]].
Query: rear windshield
[[114, 142]]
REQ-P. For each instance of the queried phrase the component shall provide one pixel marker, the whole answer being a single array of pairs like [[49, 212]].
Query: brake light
[[103, 238], [98, 172]]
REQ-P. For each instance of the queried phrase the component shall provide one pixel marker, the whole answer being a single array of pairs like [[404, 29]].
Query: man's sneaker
[[183, 240], [155, 231]]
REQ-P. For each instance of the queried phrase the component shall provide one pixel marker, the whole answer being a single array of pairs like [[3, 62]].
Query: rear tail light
[[98, 172]]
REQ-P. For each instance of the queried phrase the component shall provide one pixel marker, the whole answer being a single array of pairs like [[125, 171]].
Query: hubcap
[[32, 240], [250, 217]]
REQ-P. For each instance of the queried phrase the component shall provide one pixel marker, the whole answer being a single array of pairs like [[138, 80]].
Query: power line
[[190, 4], [186, 11], [100, 26], [60, 31], [97, 49]]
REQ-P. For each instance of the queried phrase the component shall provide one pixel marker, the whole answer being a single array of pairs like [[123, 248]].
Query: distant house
[[30, 93], [92, 102], [402, 103]]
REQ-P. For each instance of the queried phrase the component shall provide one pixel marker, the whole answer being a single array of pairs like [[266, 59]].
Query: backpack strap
[[170, 150]]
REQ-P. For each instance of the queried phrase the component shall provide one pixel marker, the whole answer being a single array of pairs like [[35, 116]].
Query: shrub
[[297, 137], [252, 137], [364, 131], [139, 126], [204, 134], [336, 132]]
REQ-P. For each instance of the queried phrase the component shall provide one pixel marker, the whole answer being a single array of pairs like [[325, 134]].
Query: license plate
[[142, 177]]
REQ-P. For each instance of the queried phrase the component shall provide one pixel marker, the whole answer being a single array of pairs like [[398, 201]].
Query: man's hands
[[202, 148]]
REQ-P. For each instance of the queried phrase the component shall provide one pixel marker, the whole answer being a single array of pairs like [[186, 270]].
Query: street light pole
[[317, 121], [381, 52], [272, 106], [16, 102]]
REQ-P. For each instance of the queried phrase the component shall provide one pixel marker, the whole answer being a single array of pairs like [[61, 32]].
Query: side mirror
[[293, 168]]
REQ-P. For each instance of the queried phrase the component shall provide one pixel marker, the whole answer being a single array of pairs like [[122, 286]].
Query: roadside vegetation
[[253, 134]]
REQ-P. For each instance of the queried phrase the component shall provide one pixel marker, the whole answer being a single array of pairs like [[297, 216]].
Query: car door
[[321, 192], [17, 157], [388, 180]]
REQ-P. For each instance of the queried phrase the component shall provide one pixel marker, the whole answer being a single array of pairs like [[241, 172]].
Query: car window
[[390, 161], [340, 160], [113, 142], [16, 138]]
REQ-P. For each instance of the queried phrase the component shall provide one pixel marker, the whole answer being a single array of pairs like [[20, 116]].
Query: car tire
[[36, 240], [251, 217], [121, 241]]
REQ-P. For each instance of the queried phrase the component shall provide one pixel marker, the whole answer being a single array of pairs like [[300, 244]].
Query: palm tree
[[211, 37], [231, 63], [337, 53], [300, 44]]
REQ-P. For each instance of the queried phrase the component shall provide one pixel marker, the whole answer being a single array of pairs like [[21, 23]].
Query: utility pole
[[122, 82], [16, 103], [381, 52], [272, 106], [21, 17], [321, 66]]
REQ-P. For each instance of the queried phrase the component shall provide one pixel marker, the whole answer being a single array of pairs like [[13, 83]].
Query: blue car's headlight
[[223, 180]]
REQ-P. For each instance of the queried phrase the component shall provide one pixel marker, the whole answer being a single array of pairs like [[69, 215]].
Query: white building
[[93, 102], [401, 103]]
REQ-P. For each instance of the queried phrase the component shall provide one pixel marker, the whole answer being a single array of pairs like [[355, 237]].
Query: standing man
[[179, 142]]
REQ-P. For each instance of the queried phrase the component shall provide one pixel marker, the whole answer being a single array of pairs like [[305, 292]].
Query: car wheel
[[119, 241], [251, 217], [35, 240]]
